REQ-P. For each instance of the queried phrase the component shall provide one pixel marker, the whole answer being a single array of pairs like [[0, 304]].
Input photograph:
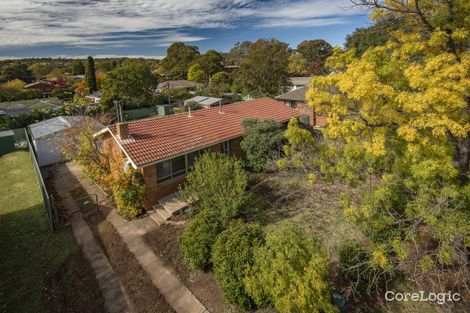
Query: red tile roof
[[161, 138]]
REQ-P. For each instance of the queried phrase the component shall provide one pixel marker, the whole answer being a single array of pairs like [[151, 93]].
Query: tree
[[39, 70], [315, 52], [238, 53], [128, 193], [131, 83], [217, 182], [16, 71], [221, 82], [366, 37], [232, 255], [178, 59], [199, 236], [297, 65], [262, 141], [264, 71], [407, 104], [290, 272], [77, 67], [90, 75], [196, 74], [210, 63]]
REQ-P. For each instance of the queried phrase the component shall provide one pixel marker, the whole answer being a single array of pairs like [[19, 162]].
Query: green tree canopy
[[196, 74], [90, 75], [179, 58], [211, 63], [290, 271], [16, 71], [298, 65], [366, 37], [77, 67], [132, 84], [262, 141], [217, 182], [238, 53], [264, 71], [232, 255], [313, 50]]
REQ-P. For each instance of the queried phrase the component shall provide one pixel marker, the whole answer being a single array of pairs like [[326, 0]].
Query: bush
[[232, 255], [262, 140], [128, 192], [355, 264], [217, 182], [198, 237], [290, 272]]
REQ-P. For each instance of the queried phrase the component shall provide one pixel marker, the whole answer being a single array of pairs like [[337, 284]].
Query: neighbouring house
[[47, 86], [297, 82], [205, 102], [164, 149], [296, 99], [231, 68], [48, 136], [15, 108], [179, 84], [95, 97]]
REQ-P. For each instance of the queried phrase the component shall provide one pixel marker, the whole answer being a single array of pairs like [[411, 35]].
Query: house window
[[163, 171], [178, 166], [226, 147]]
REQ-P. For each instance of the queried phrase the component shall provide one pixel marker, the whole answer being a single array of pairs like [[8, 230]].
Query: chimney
[[221, 110], [123, 130]]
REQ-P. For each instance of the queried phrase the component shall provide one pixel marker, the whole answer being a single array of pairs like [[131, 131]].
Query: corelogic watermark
[[422, 296]]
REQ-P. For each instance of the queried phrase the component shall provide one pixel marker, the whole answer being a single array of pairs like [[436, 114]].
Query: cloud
[[123, 23]]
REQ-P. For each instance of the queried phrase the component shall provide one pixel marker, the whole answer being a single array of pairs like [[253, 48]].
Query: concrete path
[[115, 297], [176, 294]]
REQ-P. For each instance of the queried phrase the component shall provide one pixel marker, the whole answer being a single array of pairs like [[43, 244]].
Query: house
[[296, 99], [297, 82], [179, 84], [164, 149], [95, 97], [205, 102], [15, 108], [48, 135]]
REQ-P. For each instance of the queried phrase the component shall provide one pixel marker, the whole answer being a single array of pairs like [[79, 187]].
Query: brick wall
[[154, 191]]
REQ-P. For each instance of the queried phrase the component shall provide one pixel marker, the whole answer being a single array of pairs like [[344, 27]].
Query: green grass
[[28, 249]]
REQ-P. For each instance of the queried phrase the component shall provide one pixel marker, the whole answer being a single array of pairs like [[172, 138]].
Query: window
[[178, 166], [163, 171], [226, 147]]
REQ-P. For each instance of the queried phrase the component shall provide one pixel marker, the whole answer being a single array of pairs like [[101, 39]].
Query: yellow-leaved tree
[[406, 107]]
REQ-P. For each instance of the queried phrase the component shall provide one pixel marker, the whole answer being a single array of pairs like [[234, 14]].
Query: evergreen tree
[[90, 75]]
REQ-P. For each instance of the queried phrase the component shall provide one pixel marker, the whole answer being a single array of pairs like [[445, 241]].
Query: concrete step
[[163, 213], [157, 217], [172, 203]]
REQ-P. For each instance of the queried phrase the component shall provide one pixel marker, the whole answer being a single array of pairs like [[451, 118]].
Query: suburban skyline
[[145, 28]]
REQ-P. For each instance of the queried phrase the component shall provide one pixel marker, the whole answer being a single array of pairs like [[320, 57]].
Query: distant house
[[205, 102], [296, 99], [297, 82], [47, 86], [231, 68], [164, 149], [47, 137], [15, 108], [179, 84], [95, 97]]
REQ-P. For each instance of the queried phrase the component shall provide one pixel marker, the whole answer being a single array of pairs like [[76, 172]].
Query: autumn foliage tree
[[408, 102]]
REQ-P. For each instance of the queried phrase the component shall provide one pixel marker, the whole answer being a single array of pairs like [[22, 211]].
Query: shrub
[[356, 267], [262, 140], [232, 255], [290, 272], [198, 237], [217, 182], [128, 192]]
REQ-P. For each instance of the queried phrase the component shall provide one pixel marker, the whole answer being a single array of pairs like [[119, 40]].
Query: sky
[[77, 28]]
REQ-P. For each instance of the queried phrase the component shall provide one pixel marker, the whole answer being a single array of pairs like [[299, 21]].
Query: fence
[[48, 200]]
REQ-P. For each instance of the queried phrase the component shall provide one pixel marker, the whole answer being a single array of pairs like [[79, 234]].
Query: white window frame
[[226, 147]]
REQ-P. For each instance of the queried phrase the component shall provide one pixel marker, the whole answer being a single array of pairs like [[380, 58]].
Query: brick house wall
[[155, 191]]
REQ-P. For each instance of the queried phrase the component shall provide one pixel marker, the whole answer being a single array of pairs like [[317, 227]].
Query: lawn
[[29, 251]]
